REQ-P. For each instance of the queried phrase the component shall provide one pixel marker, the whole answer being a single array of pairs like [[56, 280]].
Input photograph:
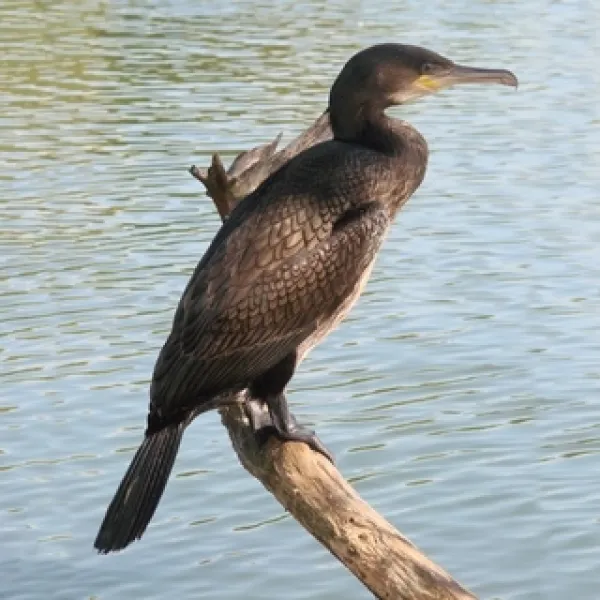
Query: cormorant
[[287, 266]]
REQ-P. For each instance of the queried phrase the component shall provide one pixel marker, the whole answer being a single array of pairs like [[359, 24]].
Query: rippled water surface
[[461, 397]]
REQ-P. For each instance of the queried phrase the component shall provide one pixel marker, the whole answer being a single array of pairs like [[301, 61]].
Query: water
[[461, 397]]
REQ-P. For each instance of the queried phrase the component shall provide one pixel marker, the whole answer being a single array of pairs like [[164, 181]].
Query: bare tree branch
[[252, 167]]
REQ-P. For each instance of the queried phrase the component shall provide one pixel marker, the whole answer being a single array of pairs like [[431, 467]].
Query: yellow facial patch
[[428, 83]]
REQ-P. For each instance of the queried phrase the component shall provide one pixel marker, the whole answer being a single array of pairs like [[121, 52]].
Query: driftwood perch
[[303, 481]]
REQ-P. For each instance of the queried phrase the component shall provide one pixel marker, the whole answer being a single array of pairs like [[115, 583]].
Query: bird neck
[[366, 124]]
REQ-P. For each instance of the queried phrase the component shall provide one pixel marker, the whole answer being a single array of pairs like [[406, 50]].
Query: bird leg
[[275, 417], [269, 387], [260, 419]]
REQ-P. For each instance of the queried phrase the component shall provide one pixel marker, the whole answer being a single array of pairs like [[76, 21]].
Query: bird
[[286, 267]]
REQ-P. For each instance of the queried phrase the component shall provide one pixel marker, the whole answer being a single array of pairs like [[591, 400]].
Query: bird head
[[391, 74]]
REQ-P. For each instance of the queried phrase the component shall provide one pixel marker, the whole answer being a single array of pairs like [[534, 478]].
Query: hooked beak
[[459, 75]]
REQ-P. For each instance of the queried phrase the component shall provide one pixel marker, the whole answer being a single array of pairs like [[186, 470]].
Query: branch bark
[[303, 481]]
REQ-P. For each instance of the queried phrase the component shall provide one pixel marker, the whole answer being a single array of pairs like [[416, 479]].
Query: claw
[[303, 434]]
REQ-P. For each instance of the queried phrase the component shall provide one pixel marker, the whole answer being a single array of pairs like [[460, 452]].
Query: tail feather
[[140, 490]]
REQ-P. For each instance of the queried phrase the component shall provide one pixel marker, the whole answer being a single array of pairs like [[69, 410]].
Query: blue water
[[462, 395]]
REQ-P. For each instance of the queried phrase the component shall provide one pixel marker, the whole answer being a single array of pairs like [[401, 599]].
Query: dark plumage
[[286, 267]]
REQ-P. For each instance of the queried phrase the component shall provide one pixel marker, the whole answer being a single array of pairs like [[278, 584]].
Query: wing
[[261, 290], [256, 325]]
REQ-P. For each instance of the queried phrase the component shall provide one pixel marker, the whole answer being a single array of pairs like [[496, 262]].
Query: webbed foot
[[280, 421], [299, 433]]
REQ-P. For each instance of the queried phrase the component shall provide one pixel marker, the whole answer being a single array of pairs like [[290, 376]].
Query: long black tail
[[139, 493]]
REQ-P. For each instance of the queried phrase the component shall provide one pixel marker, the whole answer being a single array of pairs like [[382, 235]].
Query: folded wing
[[257, 295]]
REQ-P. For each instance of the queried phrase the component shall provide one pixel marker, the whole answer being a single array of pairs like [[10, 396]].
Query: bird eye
[[426, 68]]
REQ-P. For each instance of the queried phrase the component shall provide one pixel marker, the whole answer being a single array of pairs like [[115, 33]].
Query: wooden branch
[[303, 481], [251, 168]]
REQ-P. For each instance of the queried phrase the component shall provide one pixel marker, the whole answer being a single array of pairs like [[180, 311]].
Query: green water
[[461, 396]]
